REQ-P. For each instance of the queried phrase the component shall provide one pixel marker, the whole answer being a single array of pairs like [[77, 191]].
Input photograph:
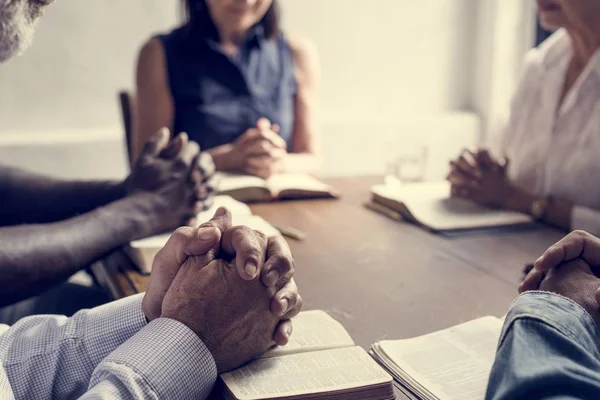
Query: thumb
[[157, 143], [185, 242], [263, 123], [175, 146], [504, 163]]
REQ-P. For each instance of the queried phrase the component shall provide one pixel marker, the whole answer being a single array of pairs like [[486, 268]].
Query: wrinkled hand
[[246, 249], [577, 245], [232, 315], [261, 150], [479, 177], [575, 280], [174, 179]]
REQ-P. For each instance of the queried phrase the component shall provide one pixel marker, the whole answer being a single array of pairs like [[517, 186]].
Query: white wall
[[506, 30], [84, 51], [394, 71], [390, 56]]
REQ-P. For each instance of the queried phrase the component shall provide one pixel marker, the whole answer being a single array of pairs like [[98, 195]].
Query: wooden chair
[[127, 104]]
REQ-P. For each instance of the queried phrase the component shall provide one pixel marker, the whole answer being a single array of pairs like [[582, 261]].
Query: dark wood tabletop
[[383, 279]]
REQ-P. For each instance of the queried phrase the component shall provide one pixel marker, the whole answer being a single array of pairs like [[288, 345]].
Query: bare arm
[[164, 195], [304, 155], [558, 214], [154, 107], [35, 257], [32, 198]]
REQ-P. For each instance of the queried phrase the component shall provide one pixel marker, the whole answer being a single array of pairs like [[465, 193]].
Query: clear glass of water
[[409, 166]]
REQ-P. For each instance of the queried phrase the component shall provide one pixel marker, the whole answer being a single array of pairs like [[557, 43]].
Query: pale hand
[[477, 176], [260, 150]]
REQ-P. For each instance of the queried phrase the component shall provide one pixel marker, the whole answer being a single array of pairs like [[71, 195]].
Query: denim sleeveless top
[[218, 97]]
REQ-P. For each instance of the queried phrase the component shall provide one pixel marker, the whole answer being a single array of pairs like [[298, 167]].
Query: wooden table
[[380, 278]]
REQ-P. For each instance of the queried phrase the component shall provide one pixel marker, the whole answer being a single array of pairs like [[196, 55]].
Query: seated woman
[[552, 139], [236, 85]]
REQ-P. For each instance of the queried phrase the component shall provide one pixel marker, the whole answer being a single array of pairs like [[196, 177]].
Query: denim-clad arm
[[548, 349]]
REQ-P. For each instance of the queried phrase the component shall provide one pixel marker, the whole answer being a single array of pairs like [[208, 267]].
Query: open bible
[[429, 204], [249, 188], [452, 364], [320, 362], [142, 251]]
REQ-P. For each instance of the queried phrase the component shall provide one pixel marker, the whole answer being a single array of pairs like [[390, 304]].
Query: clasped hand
[[260, 151], [173, 180], [479, 177], [232, 286], [570, 268]]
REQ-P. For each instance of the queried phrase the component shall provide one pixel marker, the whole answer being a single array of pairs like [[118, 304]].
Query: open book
[[429, 204], [282, 186], [320, 362], [142, 251], [453, 364]]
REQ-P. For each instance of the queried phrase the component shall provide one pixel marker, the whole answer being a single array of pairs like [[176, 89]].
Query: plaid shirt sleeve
[[54, 357], [165, 360]]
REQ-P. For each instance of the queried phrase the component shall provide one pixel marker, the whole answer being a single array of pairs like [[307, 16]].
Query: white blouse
[[554, 152]]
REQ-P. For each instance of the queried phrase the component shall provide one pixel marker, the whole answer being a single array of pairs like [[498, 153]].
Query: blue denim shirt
[[548, 349]]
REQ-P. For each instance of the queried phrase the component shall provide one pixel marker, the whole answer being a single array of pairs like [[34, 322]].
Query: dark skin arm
[[32, 198], [33, 258], [166, 189]]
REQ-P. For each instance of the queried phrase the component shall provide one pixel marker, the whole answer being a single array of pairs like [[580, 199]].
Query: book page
[[251, 221], [303, 182], [431, 205], [313, 330], [230, 181], [301, 374], [451, 364], [240, 213]]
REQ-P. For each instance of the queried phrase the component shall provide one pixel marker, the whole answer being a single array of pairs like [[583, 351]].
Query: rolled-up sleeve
[[585, 219], [548, 349], [165, 360]]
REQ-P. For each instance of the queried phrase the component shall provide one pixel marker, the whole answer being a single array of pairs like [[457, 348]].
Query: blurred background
[[395, 74]]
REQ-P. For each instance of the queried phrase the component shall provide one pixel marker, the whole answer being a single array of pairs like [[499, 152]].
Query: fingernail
[[272, 277], [250, 269], [220, 212], [284, 305], [206, 233]]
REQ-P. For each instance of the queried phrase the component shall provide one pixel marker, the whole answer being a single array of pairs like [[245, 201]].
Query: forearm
[[54, 356], [178, 367], [558, 214], [35, 257], [31, 198], [222, 157], [548, 350]]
